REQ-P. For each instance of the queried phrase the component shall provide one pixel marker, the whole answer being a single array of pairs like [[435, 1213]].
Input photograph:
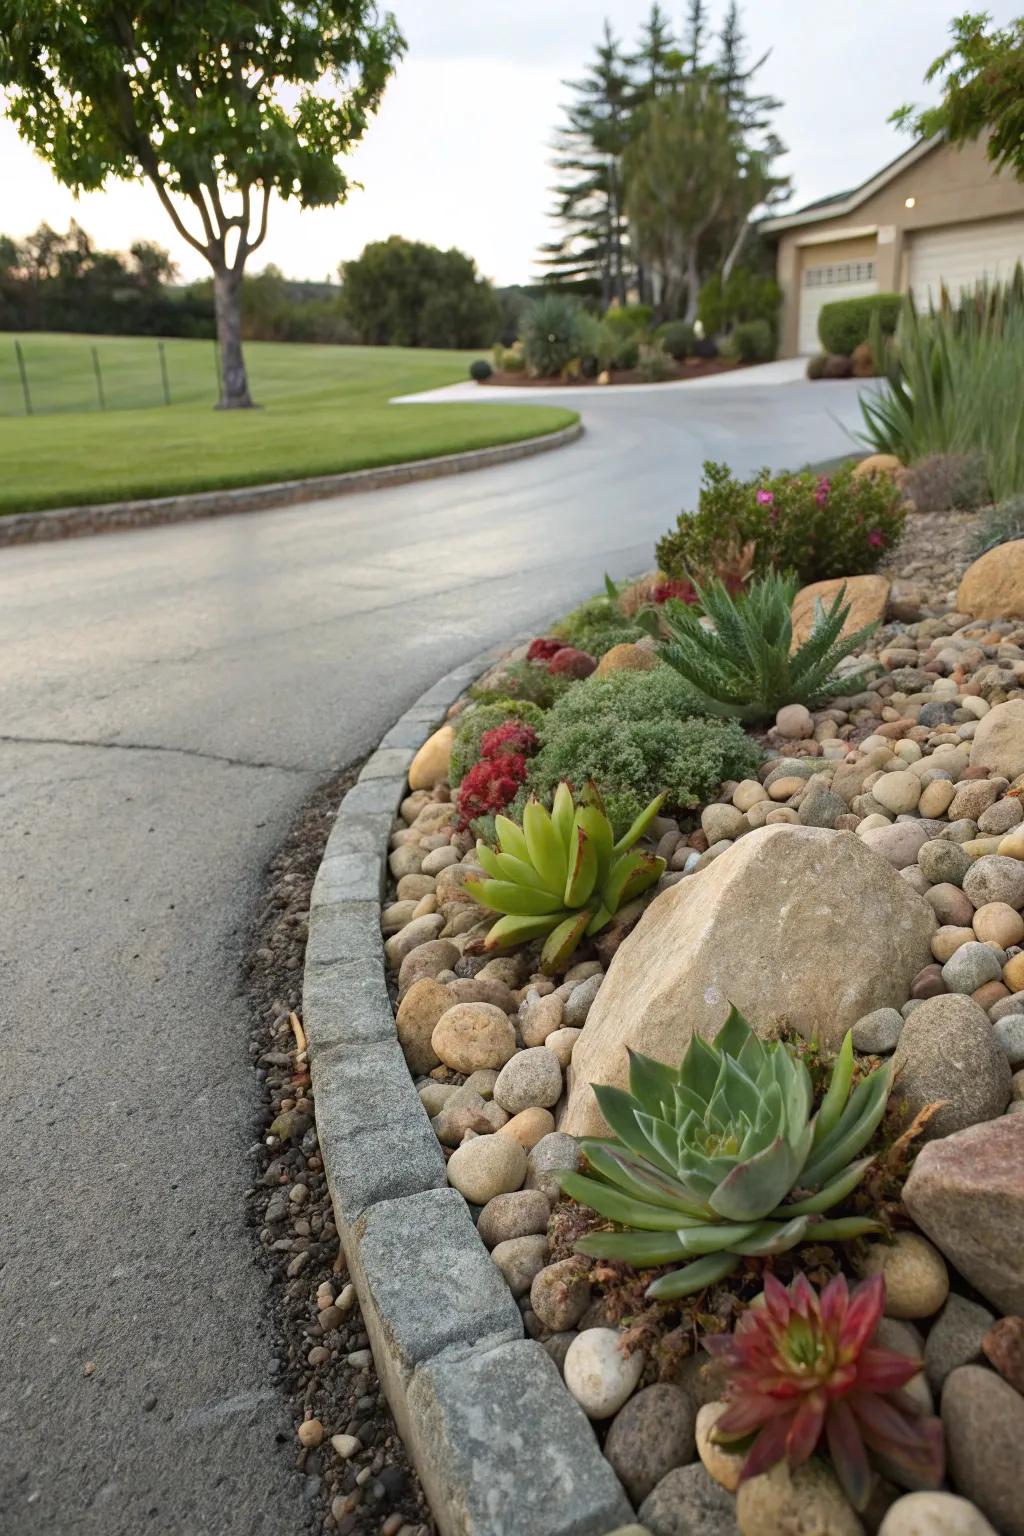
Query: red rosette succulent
[[802, 1370], [544, 648], [489, 786], [513, 736], [571, 663]]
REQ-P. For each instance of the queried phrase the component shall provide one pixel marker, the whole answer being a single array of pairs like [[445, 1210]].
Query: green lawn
[[323, 409]]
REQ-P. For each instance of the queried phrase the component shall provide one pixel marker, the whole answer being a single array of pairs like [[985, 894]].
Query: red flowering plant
[[490, 785], [544, 648], [802, 1372], [514, 736], [569, 662]]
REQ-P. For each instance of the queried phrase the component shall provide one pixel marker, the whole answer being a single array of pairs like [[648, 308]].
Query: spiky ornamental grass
[[704, 1160], [802, 1371], [743, 667]]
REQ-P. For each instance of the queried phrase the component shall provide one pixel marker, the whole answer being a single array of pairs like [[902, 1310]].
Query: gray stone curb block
[[349, 877], [343, 1004], [69, 522], [375, 1138], [503, 1450], [344, 930], [415, 1311], [501, 1447]]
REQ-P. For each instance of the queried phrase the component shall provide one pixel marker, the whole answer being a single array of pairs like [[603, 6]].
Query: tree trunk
[[692, 283], [234, 385]]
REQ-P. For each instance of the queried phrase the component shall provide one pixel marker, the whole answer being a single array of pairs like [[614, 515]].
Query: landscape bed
[[848, 873]]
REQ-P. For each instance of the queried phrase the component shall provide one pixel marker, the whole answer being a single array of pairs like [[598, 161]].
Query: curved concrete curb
[[500, 1446], [72, 522]]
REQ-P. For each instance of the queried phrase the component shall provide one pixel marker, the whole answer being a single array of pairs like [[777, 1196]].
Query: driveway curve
[[168, 698]]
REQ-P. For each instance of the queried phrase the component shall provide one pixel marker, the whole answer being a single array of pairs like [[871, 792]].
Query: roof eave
[[838, 210]]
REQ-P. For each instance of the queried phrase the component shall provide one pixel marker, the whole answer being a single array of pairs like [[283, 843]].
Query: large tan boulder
[[627, 658], [998, 743], [791, 923], [430, 765], [993, 587], [877, 464], [866, 595]]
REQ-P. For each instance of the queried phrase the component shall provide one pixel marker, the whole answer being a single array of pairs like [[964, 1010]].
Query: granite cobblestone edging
[[72, 522], [501, 1447]]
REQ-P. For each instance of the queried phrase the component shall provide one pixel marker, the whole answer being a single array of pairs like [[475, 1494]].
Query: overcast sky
[[459, 154]]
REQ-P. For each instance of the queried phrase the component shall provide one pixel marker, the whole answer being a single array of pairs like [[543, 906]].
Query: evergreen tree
[[658, 61], [759, 147], [589, 198]]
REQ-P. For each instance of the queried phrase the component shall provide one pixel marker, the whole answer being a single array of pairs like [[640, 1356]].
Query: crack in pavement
[[142, 746]]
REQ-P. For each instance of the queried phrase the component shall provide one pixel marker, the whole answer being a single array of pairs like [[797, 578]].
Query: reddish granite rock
[[966, 1192], [1004, 1346]]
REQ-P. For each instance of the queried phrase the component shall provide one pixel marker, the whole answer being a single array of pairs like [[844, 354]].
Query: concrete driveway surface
[[168, 698]]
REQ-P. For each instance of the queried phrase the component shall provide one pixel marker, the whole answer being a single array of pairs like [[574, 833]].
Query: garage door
[[824, 284], [962, 255]]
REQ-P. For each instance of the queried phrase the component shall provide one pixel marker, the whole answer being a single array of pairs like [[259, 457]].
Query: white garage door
[[824, 284], [963, 255]]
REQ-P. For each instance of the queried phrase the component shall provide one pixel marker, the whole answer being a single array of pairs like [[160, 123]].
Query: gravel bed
[[357, 1477]]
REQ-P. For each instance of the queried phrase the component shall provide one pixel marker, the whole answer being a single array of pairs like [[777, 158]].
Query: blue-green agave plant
[[723, 1159]]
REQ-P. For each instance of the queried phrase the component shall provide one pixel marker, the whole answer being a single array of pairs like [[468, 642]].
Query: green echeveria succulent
[[722, 1159]]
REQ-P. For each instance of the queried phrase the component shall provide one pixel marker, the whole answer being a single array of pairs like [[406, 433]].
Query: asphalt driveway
[[168, 698]]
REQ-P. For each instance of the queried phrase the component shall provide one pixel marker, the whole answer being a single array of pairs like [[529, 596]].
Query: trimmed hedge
[[844, 324]]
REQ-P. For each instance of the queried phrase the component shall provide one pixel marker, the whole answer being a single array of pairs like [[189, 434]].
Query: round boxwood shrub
[[845, 323], [753, 341], [480, 369], [677, 337]]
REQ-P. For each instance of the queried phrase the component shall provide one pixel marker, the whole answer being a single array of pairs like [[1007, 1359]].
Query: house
[[937, 214]]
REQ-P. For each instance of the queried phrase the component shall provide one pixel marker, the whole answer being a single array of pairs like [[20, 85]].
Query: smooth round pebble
[[310, 1433], [561, 1042], [878, 1032], [473, 1035], [487, 1166], [898, 792], [936, 797], [805, 1502], [1010, 1033], [522, 1213], [916, 1278], [794, 722], [560, 1293], [934, 1514], [995, 878], [519, 1259], [997, 923], [970, 967], [529, 1126], [598, 1374], [650, 1436], [947, 940], [719, 1461], [531, 1078], [943, 862]]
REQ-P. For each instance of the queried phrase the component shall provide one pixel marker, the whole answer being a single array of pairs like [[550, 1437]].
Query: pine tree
[[759, 147], [658, 61], [589, 199]]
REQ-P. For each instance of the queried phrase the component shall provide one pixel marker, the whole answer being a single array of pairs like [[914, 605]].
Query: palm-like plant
[[704, 1160], [744, 666]]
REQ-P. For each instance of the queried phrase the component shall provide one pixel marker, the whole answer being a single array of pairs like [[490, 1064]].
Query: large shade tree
[[218, 105]]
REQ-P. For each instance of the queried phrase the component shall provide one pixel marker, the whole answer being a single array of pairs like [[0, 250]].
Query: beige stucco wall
[[949, 186]]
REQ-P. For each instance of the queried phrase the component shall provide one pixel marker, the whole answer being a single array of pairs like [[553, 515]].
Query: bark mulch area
[[693, 368], [358, 1479]]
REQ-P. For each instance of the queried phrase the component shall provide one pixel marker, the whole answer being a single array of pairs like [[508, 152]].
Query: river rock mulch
[[925, 765], [357, 1477]]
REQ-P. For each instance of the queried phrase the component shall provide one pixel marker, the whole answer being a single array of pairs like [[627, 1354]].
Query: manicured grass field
[[323, 409]]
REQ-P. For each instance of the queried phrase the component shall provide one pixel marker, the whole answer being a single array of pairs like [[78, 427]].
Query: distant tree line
[[61, 282], [397, 293]]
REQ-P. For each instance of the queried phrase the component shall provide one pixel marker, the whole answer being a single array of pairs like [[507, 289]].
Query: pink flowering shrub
[[817, 526], [544, 648], [490, 785]]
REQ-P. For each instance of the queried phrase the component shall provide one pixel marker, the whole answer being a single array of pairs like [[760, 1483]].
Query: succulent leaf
[[563, 940], [547, 855], [693, 1277], [509, 931], [640, 825]]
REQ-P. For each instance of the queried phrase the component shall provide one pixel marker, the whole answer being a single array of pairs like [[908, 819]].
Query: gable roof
[[845, 202]]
